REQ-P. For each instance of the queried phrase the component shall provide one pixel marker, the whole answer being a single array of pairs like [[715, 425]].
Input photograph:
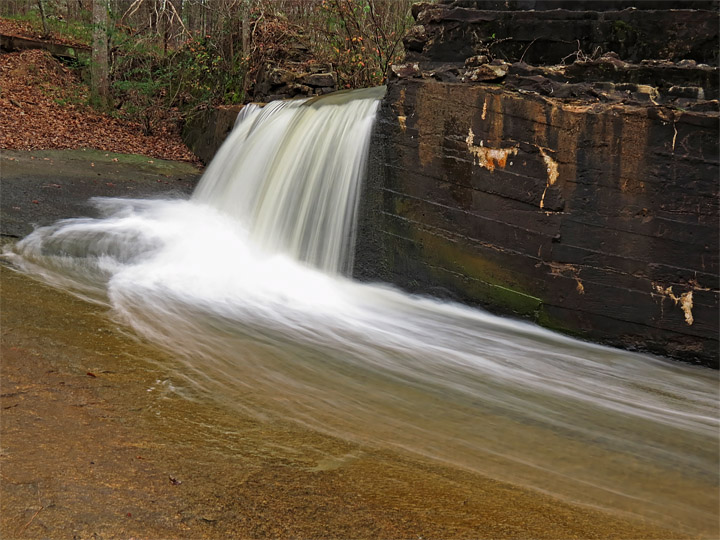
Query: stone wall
[[205, 132], [581, 195], [293, 80], [548, 32]]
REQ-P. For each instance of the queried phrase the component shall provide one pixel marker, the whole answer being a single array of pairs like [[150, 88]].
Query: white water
[[293, 192], [243, 284]]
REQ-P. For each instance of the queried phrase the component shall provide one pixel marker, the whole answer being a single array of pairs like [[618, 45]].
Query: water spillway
[[291, 172], [246, 284]]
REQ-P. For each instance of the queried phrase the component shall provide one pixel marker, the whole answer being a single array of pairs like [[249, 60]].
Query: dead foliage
[[26, 29], [43, 106]]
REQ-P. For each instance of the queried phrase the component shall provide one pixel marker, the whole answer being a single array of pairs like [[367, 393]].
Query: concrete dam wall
[[559, 165]]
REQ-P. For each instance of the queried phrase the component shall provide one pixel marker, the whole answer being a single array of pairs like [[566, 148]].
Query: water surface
[[244, 285]]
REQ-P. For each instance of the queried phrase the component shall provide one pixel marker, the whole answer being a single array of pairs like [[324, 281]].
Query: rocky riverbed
[[102, 439]]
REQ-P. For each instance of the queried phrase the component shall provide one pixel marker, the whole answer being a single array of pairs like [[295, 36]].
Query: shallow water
[[276, 338], [67, 436], [246, 291]]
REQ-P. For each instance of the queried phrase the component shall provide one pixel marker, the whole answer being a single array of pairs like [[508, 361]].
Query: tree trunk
[[41, 5], [100, 88], [245, 17]]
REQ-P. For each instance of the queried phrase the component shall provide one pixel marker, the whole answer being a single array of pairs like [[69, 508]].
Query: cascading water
[[290, 172], [243, 284]]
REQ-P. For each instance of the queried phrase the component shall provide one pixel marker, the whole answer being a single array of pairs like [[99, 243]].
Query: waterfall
[[291, 172], [244, 285]]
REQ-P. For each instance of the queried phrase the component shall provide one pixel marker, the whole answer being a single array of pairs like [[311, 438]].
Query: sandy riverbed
[[102, 439], [98, 442]]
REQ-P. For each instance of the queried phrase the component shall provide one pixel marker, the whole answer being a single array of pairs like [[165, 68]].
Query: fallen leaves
[[41, 107], [11, 27]]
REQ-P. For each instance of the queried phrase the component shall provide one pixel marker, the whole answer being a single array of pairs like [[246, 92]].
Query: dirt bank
[[43, 105]]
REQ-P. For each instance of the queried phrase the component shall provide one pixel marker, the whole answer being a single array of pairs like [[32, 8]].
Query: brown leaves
[[42, 107], [10, 27]]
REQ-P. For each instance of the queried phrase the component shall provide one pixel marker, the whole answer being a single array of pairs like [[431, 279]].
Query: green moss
[[512, 300], [622, 31], [621, 25], [546, 320], [146, 163], [478, 277]]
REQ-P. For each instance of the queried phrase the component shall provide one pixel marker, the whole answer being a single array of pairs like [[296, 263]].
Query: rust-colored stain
[[431, 109], [399, 107], [571, 122], [400, 103], [486, 157], [536, 113], [685, 301], [563, 269], [496, 130], [552, 173]]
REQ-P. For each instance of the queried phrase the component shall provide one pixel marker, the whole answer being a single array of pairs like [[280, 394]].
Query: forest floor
[[43, 105], [24, 29]]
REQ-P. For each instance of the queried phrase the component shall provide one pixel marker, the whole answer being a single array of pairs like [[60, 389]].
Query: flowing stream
[[245, 284]]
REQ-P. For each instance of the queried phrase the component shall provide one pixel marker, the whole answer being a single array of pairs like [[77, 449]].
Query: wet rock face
[[560, 31], [582, 195]]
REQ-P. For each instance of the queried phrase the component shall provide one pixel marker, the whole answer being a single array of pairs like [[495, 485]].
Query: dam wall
[[558, 165]]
